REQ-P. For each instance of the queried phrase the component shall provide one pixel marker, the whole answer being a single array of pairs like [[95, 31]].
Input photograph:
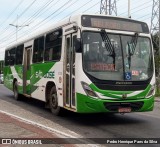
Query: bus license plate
[[124, 110]]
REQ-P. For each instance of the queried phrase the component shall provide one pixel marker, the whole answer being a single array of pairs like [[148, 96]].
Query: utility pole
[[129, 9], [108, 7], [155, 25], [155, 30], [17, 26]]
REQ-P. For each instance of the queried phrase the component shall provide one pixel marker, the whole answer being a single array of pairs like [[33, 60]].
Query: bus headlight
[[88, 90], [151, 91]]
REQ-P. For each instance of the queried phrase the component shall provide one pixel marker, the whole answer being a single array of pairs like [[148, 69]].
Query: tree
[[155, 39]]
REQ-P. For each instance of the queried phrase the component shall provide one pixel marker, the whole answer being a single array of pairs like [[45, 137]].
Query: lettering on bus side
[[49, 74], [39, 74]]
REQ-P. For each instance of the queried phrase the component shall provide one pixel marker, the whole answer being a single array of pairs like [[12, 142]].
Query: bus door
[[27, 71], [69, 71]]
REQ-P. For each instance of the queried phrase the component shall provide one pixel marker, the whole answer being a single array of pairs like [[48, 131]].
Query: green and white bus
[[86, 64]]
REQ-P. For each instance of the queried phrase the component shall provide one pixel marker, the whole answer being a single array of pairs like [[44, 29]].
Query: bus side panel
[[41, 73], [18, 74], [8, 77], [80, 77], [11, 73], [59, 81]]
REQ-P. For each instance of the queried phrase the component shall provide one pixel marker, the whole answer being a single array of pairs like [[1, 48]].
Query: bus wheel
[[53, 102], [15, 90]]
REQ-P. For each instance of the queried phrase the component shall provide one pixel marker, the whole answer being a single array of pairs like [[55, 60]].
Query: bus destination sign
[[114, 24]]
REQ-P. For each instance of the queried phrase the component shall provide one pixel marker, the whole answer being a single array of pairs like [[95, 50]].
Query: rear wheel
[[15, 90], [53, 102]]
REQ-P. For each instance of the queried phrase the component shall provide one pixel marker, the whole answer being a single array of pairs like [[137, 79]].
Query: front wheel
[[15, 90], [53, 102]]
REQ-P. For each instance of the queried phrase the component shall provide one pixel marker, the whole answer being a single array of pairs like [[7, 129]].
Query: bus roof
[[65, 22]]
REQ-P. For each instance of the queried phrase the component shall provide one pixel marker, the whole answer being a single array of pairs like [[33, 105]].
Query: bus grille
[[114, 106]]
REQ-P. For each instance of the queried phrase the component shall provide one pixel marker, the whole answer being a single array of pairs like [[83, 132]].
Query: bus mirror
[[75, 28], [77, 45]]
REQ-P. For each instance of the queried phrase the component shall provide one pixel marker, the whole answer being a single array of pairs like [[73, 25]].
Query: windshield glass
[[109, 56]]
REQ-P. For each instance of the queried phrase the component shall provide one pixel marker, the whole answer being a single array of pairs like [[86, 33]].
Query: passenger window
[[7, 58], [19, 54], [53, 44], [12, 56], [38, 49]]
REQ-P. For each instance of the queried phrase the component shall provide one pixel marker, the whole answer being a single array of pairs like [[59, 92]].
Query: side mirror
[[77, 45]]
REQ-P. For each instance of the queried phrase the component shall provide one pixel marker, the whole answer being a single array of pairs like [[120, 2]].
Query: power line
[[77, 9], [91, 7], [40, 23], [27, 8], [42, 8], [35, 27], [28, 21], [134, 7], [108, 7], [16, 19], [155, 28], [12, 12], [50, 14], [19, 16], [36, 14], [39, 12], [71, 12], [144, 15], [155, 17], [17, 26]]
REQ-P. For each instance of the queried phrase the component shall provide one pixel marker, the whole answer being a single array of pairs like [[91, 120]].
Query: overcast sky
[[39, 14]]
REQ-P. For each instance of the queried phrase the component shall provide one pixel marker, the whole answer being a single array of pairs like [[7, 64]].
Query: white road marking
[[39, 125], [50, 129]]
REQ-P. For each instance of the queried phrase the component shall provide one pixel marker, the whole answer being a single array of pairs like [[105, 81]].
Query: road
[[131, 125]]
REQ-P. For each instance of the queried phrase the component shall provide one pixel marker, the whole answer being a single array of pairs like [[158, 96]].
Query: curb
[[54, 133], [157, 100]]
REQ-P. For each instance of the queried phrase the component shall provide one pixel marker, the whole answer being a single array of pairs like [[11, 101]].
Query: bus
[[85, 64]]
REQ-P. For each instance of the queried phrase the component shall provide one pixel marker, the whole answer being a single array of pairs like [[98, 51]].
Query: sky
[[34, 15]]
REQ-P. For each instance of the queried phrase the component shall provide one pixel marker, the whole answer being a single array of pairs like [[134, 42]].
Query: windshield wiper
[[133, 43], [131, 48], [108, 44]]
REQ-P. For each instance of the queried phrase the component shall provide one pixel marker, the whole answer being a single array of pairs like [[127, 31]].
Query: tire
[[53, 102], [15, 91]]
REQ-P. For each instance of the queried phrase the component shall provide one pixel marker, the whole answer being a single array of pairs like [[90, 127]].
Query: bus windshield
[[108, 56]]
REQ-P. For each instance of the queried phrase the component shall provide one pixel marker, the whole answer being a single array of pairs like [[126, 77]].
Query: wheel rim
[[54, 100], [15, 91]]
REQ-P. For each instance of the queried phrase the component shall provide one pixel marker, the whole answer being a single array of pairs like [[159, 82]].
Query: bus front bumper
[[86, 104]]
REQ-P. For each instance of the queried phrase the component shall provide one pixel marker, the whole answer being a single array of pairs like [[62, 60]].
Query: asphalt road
[[131, 125]]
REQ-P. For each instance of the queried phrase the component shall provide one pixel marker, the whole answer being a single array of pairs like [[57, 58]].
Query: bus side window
[[19, 54], [12, 56], [53, 44], [38, 49], [6, 60]]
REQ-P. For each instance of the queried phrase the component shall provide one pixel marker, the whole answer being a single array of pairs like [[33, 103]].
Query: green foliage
[[157, 87], [157, 64], [155, 40]]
